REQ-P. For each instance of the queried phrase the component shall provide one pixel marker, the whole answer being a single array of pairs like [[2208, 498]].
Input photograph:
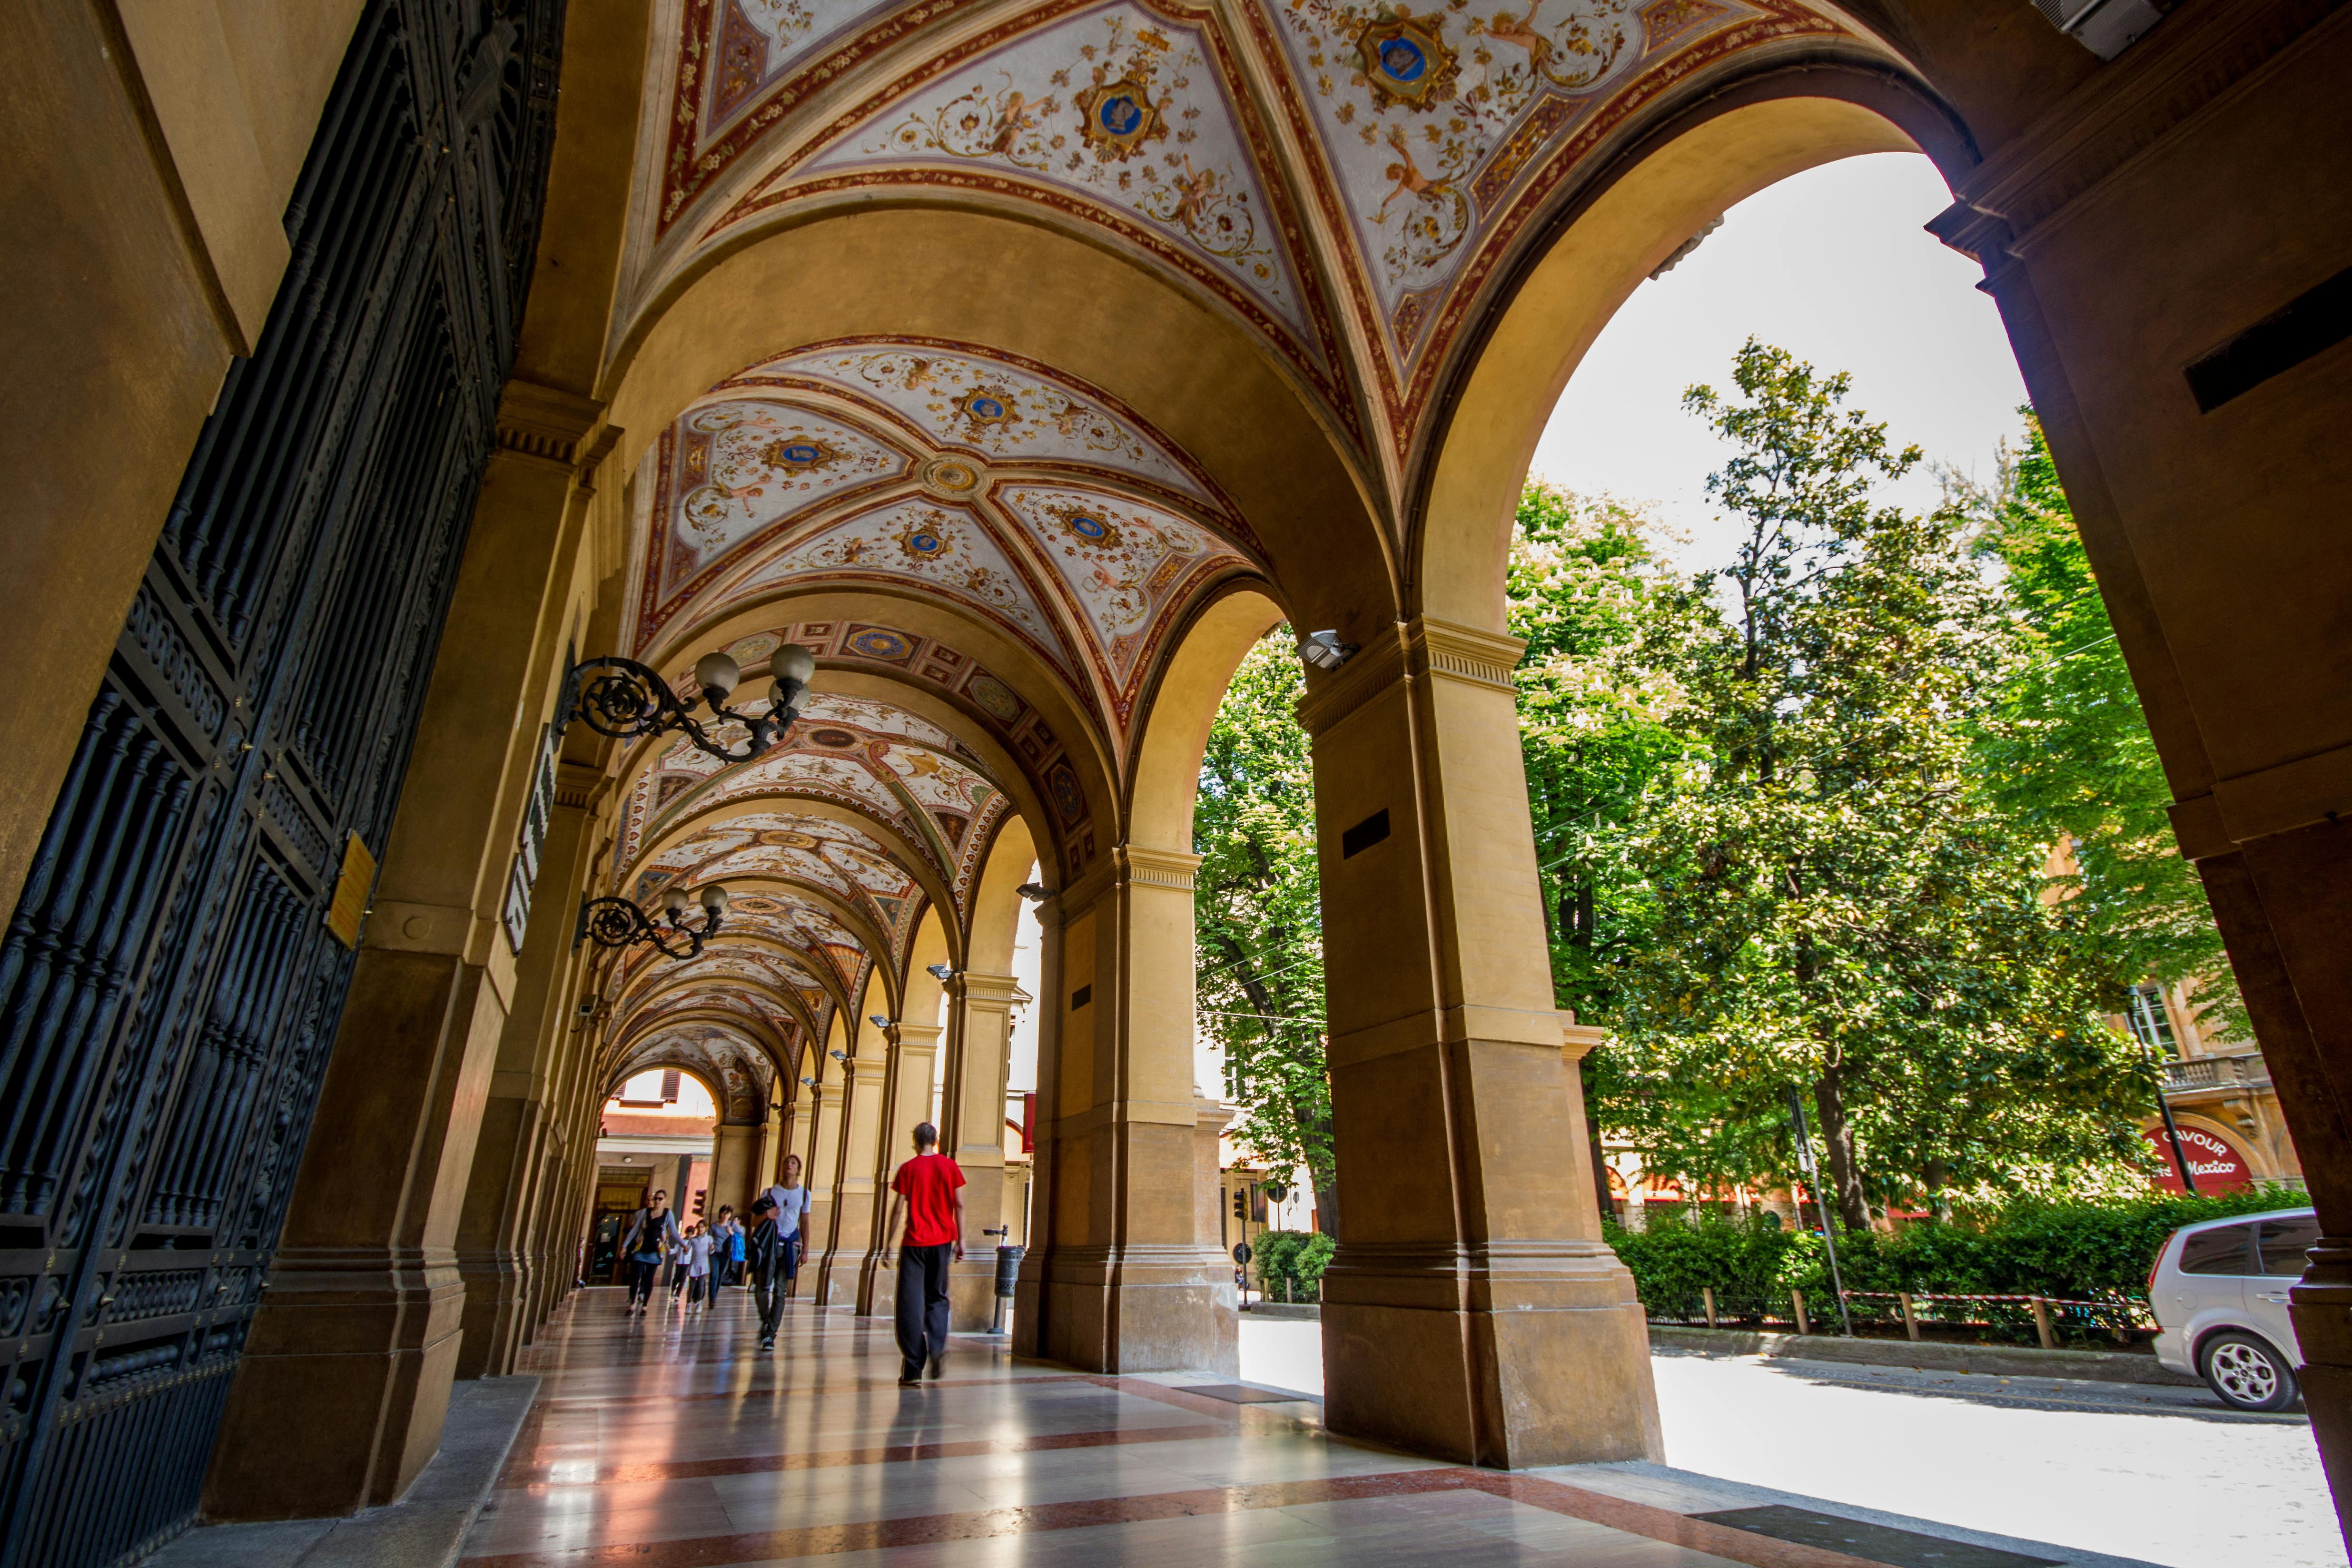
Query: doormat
[[1239, 1394], [1875, 1542]]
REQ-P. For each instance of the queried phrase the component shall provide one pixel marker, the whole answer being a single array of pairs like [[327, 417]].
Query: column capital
[[920, 1036], [1131, 865], [544, 423], [1576, 1040], [1425, 647], [1002, 990]]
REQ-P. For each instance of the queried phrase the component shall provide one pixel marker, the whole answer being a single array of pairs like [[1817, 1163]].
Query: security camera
[[1325, 650]]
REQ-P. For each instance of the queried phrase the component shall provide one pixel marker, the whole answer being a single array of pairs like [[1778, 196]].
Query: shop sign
[[2212, 1161]]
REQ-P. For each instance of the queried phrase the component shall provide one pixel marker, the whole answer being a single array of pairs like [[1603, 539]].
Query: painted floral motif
[[1121, 560], [1116, 104], [1429, 111], [742, 466], [942, 546], [995, 408]]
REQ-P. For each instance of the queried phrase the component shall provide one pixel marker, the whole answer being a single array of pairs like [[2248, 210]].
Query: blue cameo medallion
[[1402, 59]]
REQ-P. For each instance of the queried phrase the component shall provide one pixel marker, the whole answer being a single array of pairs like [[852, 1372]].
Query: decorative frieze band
[[1157, 868]]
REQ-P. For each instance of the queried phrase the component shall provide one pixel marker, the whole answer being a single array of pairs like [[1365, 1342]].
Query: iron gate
[[168, 990]]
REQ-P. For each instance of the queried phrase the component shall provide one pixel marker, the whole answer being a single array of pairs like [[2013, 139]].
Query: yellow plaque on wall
[[352, 890]]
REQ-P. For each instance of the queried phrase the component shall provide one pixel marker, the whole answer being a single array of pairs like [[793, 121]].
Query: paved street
[[2164, 1475]]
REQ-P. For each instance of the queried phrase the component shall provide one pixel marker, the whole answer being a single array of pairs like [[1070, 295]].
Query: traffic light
[[1241, 1203]]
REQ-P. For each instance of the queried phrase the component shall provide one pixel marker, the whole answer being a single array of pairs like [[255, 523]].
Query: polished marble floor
[[673, 1441]]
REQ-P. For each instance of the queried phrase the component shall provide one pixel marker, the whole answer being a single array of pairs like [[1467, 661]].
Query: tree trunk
[[1592, 1144], [1845, 1177]]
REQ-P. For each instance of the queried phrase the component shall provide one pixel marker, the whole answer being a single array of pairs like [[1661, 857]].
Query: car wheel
[[2246, 1373]]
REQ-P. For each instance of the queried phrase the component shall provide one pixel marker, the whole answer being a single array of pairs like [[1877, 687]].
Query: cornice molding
[[2201, 54], [1156, 868], [545, 424], [1423, 648]]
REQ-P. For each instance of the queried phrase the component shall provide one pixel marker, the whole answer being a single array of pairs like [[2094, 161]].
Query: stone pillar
[[734, 1160], [497, 1246], [1209, 1121], [822, 1159], [339, 1400], [849, 1234], [1473, 1311], [906, 1101], [971, 1130], [1115, 1279], [2284, 905]]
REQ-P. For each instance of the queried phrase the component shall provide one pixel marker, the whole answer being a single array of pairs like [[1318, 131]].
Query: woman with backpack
[[653, 1231]]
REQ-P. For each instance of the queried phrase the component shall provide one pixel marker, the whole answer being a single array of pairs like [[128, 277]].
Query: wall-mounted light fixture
[[618, 923], [1034, 892], [878, 1021], [1325, 650], [939, 972], [630, 700], [811, 1082], [838, 1055]]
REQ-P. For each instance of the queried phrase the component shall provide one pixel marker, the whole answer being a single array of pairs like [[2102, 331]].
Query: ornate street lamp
[[629, 700], [619, 922]]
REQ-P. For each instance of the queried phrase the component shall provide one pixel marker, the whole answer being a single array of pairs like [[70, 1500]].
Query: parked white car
[[2219, 1289]]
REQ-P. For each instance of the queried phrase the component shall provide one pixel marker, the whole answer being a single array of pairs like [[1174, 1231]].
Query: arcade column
[[1471, 1311]]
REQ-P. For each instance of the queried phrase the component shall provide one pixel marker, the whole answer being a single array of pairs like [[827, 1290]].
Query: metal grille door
[[169, 991]]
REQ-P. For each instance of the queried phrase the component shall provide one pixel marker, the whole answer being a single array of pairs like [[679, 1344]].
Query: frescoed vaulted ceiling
[[1350, 221], [740, 1072], [992, 558]]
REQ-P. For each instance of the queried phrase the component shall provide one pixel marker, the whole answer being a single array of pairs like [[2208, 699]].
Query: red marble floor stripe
[[542, 1475], [712, 1550], [1594, 1507], [569, 1403]]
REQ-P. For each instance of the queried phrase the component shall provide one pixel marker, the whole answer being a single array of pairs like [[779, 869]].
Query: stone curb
[[1292, 1311], [2001, 1361], [424, 1530]]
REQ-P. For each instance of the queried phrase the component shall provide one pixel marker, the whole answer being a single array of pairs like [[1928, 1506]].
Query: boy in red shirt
[[929, 1196]]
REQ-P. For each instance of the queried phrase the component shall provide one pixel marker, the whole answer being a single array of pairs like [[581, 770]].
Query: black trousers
[[922, 1305], [769, 1299], [641, 1279]]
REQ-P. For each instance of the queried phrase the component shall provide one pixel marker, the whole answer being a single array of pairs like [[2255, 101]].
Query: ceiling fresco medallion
[[951, 477], [800, 456], [989, 405], [923, 543], [1118, 117], [1406, 61]]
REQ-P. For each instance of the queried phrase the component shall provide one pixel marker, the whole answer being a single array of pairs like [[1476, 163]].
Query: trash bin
[[1008, 1280]]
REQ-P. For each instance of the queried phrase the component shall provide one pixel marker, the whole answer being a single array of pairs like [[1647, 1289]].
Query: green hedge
[[2077, 1250], [1296, 1256]]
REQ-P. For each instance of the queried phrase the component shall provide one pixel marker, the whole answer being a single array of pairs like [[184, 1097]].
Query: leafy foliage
[[1258, 918], [2071, 754], [1841, 903], [2074, 1249], [1295, 1259]]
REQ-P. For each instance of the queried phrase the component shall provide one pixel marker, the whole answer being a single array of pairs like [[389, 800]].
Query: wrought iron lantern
[[619, 922], [628, 700]]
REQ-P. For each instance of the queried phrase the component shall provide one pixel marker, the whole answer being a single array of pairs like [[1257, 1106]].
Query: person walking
[[699, 1245], [677, 1256], [726, 1251], [763, 1267], [652, 1230], [791, 1201], [927, 1194]]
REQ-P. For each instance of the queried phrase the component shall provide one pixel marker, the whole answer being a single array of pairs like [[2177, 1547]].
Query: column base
[[972, 1291], [340, 1394], [1130, 1309], [497, 1296], [1513, 1356]]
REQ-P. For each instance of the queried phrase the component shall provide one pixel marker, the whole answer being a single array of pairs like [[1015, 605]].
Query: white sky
[[1834, 266]]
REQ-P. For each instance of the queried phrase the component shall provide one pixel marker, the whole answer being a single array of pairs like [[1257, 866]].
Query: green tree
[[1841, 903], [1258, 918], [2071, 756]]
